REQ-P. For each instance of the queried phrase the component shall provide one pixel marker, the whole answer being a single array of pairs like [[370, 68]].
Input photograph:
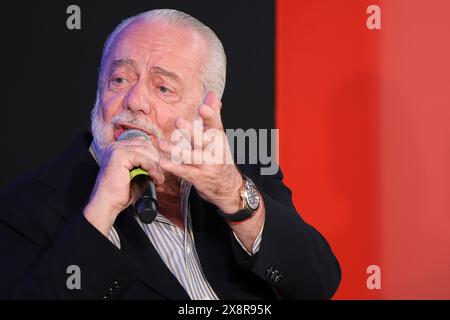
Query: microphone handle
[[146, 207]]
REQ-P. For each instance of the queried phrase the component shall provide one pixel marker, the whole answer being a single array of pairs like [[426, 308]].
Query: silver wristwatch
[[250, 202]]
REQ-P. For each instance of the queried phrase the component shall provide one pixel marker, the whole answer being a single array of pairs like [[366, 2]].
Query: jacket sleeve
[[293, 256], [31, 269]]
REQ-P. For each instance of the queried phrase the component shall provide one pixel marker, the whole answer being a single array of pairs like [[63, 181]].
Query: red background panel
[[364, 137]]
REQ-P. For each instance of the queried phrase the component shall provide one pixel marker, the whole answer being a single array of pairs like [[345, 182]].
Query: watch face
[[251, 195]]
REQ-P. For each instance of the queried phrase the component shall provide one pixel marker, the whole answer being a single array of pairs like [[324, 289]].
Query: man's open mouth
[[120, 128]]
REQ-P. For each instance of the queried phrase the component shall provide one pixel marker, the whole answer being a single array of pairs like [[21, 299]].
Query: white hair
[[214, 69]]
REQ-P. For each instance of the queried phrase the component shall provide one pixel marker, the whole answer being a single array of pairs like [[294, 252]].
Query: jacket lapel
[[210, 233], [69, 179], [153, 271]]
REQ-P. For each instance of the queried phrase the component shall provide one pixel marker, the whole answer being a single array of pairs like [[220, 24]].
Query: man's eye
[[119, 80], [163, 89]]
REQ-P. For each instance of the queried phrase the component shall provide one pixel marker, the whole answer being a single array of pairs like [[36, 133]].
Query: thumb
[[213, 101]]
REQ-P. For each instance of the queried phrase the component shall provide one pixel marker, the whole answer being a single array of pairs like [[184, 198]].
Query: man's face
[[152, 77]]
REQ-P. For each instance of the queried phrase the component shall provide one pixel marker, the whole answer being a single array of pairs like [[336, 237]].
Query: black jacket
[[43, 231]]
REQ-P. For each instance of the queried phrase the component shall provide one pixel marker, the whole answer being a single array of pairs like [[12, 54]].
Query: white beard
[[103, 133]]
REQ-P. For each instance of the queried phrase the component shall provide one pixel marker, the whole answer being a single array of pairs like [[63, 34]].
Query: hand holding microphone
[[114, 189], [142, 186]]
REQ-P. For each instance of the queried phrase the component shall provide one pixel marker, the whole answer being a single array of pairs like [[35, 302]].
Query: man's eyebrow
[[123, 62], [165, 73]]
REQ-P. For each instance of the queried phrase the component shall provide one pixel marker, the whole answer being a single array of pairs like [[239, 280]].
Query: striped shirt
[[176, 247]]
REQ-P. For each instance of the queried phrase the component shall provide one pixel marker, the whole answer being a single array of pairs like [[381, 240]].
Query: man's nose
[[137, 98]]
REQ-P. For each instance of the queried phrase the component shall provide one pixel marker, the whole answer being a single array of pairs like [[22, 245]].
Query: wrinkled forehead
[[160, 42]]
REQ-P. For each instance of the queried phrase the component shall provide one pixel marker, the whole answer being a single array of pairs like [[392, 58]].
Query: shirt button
[[188, 250]]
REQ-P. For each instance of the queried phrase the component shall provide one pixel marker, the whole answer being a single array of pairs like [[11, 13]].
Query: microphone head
[[133, 134], [130, 135]]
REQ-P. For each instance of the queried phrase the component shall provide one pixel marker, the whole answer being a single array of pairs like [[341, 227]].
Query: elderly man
[[69, 230]]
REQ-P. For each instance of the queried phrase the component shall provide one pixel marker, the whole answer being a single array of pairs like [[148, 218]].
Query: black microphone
[[146, 207]]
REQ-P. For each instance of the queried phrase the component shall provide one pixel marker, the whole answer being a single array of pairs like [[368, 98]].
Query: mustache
[[131, 119]]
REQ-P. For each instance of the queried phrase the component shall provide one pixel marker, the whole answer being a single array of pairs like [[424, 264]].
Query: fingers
[[180, 153], [191, 131], [141, 159], [139, 153], [184, 171], [210, 111], [213, 101], [211, 118]]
